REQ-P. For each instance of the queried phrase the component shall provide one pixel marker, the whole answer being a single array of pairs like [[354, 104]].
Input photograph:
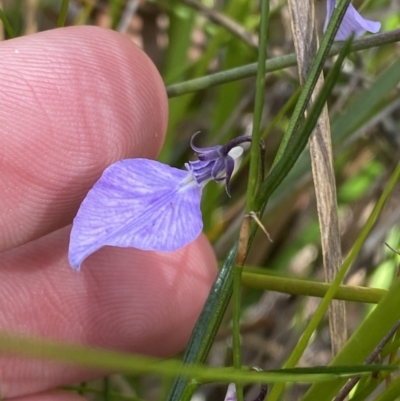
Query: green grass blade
[[391, 392], [377, 324], [7, 25], [362, 108], [96, 358], [62, 16], [207, 325]]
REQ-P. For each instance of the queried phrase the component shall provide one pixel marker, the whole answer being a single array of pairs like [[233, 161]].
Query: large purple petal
[[137, 203], [352, 22]]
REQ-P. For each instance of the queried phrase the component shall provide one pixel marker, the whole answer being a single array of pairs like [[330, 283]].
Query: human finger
[[73, 101], [52, 396], [123, 299]]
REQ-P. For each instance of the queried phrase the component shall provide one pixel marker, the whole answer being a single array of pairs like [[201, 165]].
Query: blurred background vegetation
[[188, 39]]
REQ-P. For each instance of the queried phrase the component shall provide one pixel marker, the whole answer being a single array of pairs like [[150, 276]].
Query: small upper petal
[[205, 153], [352, 23], [137, 203]]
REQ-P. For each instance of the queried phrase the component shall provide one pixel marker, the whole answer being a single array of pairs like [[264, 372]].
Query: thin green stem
[[261, 280], [252, 186], [114, 12], [107, 396], [274, 122], [271, 65], [258, 109], [97, 358], [62, 16]]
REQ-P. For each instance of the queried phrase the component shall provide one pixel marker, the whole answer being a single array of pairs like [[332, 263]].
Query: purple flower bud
[[216, 162], [352, 23], [148, 205]]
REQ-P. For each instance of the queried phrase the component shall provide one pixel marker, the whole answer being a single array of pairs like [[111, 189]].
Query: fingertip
[[122, 299], [52, 396], [170, 289], [74, 100]]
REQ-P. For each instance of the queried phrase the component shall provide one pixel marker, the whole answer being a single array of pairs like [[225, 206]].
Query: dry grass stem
[[226, 22], [31, 7], [306, 43]]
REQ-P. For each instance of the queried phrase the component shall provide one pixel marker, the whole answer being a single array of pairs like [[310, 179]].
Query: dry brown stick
[[306, 43], [131, 7], [31, 7]]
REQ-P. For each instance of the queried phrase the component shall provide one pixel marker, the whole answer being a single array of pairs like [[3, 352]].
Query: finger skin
[[73, 101], [52, 396], [123, 299]]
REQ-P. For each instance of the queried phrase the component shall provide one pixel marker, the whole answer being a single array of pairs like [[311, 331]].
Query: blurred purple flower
[[148, 205], [351, 23], [231, 393]]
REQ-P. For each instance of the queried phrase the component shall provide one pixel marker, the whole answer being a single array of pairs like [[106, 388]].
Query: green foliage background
[[210, 72]]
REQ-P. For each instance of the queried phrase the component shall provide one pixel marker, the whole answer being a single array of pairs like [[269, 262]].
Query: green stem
[[271, 65], [309, 288], [252, 186], [258, 109]]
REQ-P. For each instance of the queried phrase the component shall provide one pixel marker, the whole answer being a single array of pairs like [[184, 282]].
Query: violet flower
[[148, 205], [231, 393], [352, 23]]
